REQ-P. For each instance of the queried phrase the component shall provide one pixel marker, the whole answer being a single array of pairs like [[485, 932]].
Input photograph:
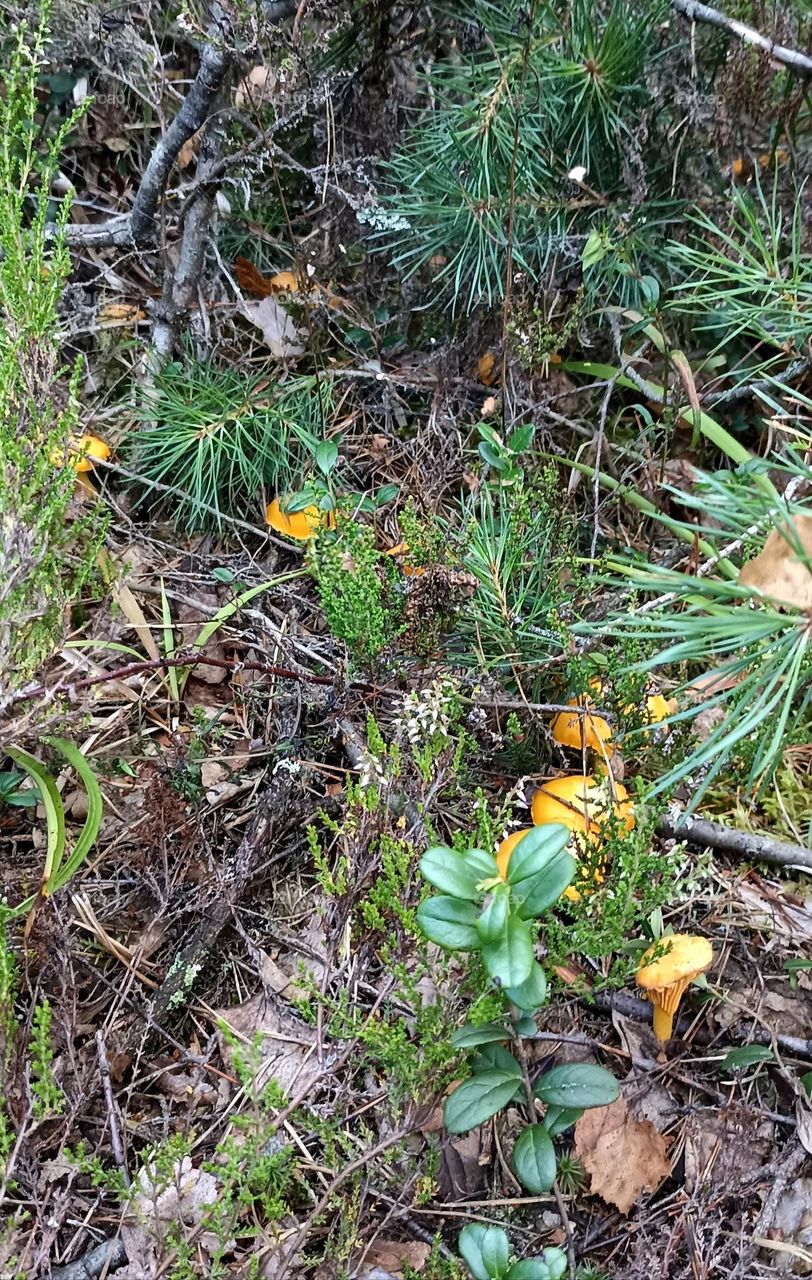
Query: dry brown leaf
[[623, 1156], [256, 88], [278, 330], [287, 1045], [115, 314], [390, 1257], [190, 150], [777, 571]]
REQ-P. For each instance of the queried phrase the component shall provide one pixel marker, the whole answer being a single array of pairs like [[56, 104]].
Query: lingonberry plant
[[494, 909]]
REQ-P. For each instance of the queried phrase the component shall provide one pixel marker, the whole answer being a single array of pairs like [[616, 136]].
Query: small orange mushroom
[[83, 453], [301, 525], [411, 570], [664, 977], [583, 729], [582, 803]]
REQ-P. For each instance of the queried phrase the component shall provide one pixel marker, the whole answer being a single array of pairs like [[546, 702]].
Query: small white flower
[[577, 174]]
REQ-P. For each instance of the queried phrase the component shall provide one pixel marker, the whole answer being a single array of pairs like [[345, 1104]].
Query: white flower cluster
[[427, 713]]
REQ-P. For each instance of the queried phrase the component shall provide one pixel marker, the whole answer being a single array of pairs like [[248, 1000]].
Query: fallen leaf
[[286, 1044], [189, 151], [389, 1258], [778, 571], [278, 330], [115, 314], [623, 1156], [722, 1144], [257, 87]]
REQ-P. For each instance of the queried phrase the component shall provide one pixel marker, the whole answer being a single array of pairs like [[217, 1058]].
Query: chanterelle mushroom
[[664, 977], [297, 524], [578, 730]]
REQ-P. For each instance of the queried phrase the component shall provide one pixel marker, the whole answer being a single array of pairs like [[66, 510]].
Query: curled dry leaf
[[622, 1156], [781, 569], [278, 330], [389, 1258]]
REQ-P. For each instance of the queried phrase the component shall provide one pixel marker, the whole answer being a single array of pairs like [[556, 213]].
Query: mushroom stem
[[663, 1023]]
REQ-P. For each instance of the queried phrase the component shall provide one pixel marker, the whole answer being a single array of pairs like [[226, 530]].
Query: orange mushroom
[[665, 976], [301, 525], [582, 803], [583, 729]]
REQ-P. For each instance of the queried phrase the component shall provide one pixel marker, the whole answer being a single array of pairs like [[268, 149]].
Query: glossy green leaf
[[532, 993], [747, 1056], [509, 960], [449, 872], [476, 1100], [551, 1265], [482, 1249], [536, 850], [534, 1159], [450, 923], [483, 863], [495, 1057], [493, 919], [539, 892], [558, 1119], [469, 1037], [577, 1084]]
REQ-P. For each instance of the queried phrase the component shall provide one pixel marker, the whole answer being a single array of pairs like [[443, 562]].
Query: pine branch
[[138, 227], [798, 63]]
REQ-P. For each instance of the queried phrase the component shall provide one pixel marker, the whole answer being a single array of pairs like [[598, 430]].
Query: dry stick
[[181, 285], [640, 1011], [714, 835], [107, 1255], [799, 63], [112, 1115]]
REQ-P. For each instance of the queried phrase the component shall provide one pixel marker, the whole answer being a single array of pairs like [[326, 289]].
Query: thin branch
[[715, 835], [794, 61], [139, 227]]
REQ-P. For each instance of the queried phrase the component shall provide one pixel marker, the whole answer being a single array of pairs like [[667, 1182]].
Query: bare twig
[[105, 1257], [715, 835], [139, 227], [794, 61], [112, 1114]]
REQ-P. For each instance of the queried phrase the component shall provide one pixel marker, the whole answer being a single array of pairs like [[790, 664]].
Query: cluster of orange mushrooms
[[587, 804]]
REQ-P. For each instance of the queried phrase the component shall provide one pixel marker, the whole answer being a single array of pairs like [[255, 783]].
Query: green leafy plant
[[218, 442], [46, 555], [748, 281], [480, 909], [60, 865], [487, 1255], [518, 547], [357, 588]]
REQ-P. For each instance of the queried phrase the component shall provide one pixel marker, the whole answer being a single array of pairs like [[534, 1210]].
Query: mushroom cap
[[687, 956], [411, 570], [506, 848], [579, 731], [658, 708], [300, 525], [581, 803], [84, 450]]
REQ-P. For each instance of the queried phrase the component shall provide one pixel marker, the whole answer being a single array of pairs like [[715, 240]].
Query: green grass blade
[[54, 819], [95, 810]]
